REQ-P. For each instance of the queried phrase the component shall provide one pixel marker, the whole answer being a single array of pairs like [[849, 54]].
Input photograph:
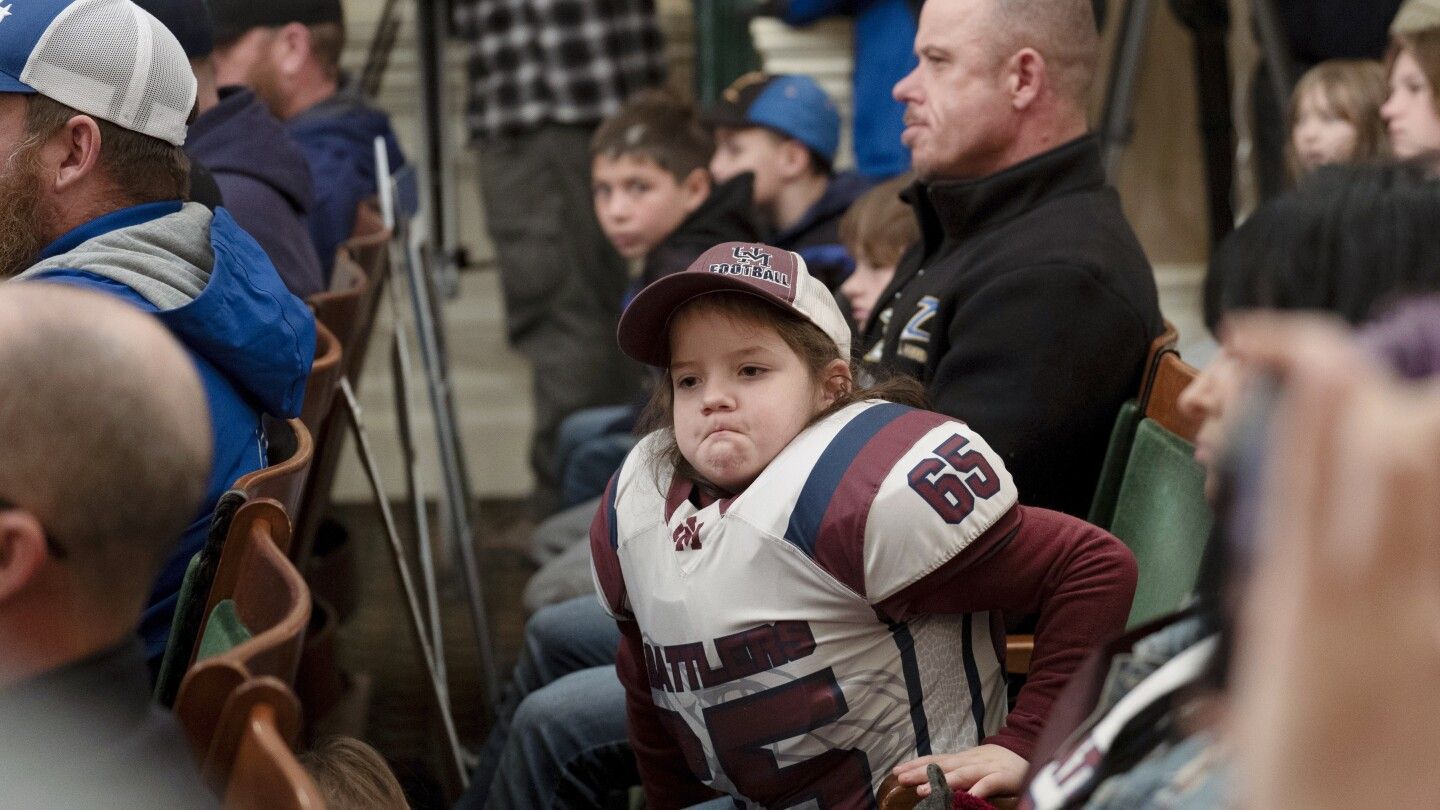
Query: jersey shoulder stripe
[[839, 539], [830, 468]]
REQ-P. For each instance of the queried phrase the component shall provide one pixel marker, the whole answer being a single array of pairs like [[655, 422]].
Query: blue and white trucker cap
[[106, 58], [793, 105]]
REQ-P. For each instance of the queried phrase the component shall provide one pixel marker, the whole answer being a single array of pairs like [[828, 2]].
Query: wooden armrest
[[1018, 650], [893, 796]]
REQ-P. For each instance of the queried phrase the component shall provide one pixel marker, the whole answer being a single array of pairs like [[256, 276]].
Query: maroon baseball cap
[[774, 275]]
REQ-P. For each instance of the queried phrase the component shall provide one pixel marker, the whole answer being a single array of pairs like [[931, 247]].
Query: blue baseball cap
[[791, 104], [109, 59]]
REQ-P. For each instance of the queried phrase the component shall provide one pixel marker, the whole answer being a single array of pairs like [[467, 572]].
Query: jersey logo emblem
[[687, 535]]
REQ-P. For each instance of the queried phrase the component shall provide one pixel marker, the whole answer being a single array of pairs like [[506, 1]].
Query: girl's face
[[1321, 136], [741, 395], [1410, 113], [863, 287]]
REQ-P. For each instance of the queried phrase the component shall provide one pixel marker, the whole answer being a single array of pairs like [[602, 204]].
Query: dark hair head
[[1346, 241], [815, 349], [879, 226], [660, 126]]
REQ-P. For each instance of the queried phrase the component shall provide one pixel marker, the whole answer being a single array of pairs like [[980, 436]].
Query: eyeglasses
[[56, 550]]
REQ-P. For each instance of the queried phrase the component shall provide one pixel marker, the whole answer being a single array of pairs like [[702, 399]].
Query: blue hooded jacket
[[213, 286], [884, 54], [264, 181], [816, 235], [337, 137]]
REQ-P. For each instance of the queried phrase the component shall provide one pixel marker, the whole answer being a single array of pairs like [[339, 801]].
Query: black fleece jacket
[[726, 215], [1026, 309]]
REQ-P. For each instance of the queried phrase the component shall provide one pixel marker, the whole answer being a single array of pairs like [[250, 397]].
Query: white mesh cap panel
[[112, 60], [818, 304]]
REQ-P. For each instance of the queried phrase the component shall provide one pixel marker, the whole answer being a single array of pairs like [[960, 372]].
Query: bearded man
[[93, 193]]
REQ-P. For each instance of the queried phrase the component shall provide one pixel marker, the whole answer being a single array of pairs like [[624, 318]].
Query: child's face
[[1321, 137], [741, 395], [862, 289], [1209, 397], [752, 149], [639, 204], [1410, 113]]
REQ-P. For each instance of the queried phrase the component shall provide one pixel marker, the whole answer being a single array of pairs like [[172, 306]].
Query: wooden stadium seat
[[362, 266], [891, 796], [368, 219], [339, 307], [252, 761], [1161, 514], [1163, 517], [1168, 340], [1172, 376], [324, 376], [370, 248], [1112, 469], [255, 619], [284, 481], [1117, 452]]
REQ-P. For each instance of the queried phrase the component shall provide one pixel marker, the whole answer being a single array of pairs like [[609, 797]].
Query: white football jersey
[[766, 645]]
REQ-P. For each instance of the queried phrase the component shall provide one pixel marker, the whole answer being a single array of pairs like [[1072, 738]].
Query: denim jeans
[[591, 464], [587, 424], [560, 738]]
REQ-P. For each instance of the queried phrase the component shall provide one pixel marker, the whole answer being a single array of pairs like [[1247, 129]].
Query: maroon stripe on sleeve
[[605, 556], [840, 543]]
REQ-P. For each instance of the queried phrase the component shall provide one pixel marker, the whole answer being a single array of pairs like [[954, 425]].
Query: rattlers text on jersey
[[779, 647]]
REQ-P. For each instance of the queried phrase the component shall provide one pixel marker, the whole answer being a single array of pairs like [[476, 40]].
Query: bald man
[[1028, 305], [107, 444]]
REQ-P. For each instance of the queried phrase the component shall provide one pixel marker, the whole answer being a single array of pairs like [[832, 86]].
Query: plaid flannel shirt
[[534, 62]]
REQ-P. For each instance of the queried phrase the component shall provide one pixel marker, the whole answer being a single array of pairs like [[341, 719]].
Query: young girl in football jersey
[[809, 578]]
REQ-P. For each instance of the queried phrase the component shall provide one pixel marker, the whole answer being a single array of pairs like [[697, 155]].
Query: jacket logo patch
[[687, 535], [915, 337]]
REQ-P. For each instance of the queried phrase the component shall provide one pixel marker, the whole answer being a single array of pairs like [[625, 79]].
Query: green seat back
[[177, 650], [1161, 514], [223, 630], [1112, 472]]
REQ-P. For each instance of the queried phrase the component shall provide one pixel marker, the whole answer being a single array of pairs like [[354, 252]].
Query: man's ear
[[1026, 77], [838, 380], [72, 153], [22, 551], [291, 48], [696, 188]]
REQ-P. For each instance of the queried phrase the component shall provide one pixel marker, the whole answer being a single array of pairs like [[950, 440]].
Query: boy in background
[[876, 231], [654, 196], [784, 130]]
